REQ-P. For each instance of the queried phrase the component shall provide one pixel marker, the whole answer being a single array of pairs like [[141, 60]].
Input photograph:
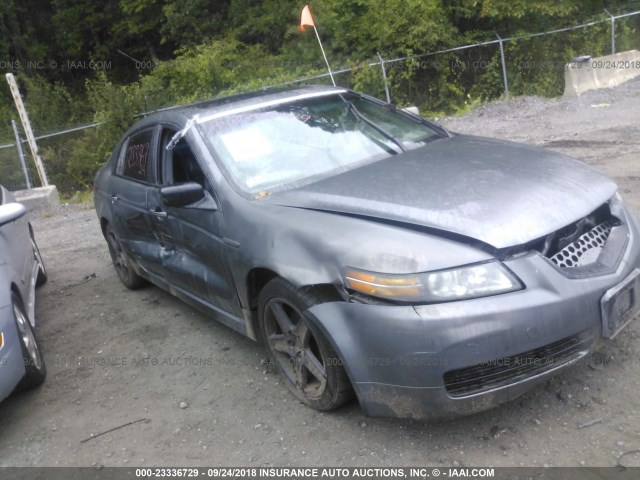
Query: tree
[[190, 22]]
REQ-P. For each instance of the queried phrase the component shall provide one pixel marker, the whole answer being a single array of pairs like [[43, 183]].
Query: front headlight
[[461, 283]]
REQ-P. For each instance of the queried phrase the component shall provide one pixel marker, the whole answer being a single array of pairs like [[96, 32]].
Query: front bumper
[[405, 361]]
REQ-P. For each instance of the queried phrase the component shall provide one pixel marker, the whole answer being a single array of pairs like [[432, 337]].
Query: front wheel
[[35, 369], [121, 261], [310, 367]]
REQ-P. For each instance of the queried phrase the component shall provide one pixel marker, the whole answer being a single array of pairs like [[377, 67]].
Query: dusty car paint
[[457, 201]]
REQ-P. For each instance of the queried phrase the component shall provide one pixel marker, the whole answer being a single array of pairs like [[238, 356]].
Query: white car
[[21, 270]]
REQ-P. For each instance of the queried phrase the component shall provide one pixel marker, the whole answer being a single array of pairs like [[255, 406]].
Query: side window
[[180, 164], [134, 160]]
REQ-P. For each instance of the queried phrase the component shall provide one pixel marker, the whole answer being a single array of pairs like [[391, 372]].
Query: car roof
[[181, 114]]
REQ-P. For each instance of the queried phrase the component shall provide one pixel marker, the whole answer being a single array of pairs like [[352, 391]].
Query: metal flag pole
[[307, 19], [324, 55]]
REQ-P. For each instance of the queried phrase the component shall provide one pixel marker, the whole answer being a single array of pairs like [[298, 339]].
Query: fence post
[[24, 118], [613, 32], [384, 76], [504, 67], [21, 155]]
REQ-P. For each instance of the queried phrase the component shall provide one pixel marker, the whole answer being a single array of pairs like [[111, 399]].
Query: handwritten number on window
[[136, 160]]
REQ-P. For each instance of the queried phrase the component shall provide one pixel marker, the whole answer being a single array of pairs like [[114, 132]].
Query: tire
[[35, 369], [42, 271], [305, 360], [121, 261]]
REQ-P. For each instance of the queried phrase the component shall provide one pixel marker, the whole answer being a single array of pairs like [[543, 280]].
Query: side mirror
[[10, 212], [182, 195]]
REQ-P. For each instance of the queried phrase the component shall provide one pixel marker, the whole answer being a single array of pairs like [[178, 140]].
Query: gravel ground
[[198, 393]]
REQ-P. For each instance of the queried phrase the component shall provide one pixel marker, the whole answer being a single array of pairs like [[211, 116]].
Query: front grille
[[586, 249], [508, 370]]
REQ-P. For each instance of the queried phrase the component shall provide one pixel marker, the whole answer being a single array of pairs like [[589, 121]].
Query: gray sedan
[[21, 270], [373, 252]]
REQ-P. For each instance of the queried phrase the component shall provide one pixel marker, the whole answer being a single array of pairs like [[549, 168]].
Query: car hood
[[500, 193]]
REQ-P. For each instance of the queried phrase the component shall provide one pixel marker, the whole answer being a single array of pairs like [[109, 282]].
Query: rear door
[[128, 191]]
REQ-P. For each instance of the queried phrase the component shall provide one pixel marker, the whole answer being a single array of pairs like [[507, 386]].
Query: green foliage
[[524, 8], [82, 27], [25, 30], [189, 22], [536, 66], [391, 27], [84, 196], [51, 105], [263, 23], [72, 164], [114, 106], [201, 72]]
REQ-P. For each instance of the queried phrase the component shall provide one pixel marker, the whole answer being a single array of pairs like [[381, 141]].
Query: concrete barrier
[[601, 72], [36, 198]]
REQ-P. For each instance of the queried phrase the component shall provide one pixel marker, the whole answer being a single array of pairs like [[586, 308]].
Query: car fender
[[308, 247]]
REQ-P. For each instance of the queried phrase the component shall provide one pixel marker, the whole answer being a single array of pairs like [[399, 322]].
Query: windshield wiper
[[356, 113]]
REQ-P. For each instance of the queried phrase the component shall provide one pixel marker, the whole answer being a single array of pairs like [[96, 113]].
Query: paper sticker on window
[[247, 144]]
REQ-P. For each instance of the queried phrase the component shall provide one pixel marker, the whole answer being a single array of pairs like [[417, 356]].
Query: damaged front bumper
[[461, 357]]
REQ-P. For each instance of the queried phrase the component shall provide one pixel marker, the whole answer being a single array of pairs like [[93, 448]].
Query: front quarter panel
[[308, 247]]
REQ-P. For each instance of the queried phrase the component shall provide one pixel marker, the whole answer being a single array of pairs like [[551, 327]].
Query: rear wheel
[[35, 369], [307, 362], [121, 261]]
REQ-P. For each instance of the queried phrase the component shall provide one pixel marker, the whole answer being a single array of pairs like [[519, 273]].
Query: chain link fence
[[525, 65], [12, 175], [437, 82]]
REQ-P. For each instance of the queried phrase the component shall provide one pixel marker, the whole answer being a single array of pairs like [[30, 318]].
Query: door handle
[[159, 213], [114, 199]]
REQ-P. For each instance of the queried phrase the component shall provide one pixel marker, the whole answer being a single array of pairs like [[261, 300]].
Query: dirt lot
[[117, 356]]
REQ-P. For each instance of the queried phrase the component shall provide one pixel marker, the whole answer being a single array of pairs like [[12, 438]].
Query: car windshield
[[282, 145]]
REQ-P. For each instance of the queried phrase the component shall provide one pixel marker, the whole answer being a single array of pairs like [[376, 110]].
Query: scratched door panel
[[204, 260]]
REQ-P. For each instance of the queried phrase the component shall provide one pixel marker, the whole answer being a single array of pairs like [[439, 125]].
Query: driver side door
[[193, 254]]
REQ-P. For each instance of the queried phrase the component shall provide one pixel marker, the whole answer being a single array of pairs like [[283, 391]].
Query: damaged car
[[372, 252]]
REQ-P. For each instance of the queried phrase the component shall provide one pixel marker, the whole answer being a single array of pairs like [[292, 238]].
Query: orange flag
[[306, 18]]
